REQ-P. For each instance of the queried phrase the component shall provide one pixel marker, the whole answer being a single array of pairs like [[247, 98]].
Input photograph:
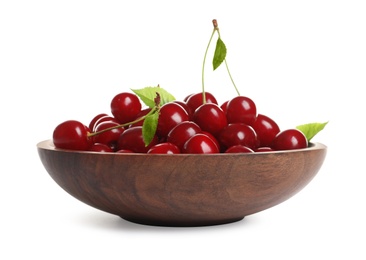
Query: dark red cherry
[[182, 132], [103, 119], [125, 107], [131, 139], [241, 109], [109, 137], [238, 134], [186, 107], [239, 149], [102, 148], [95, 119], [289, 139], [224, 106], [72, 135], [210, 118], [164, 148], [195, 100], [200, 144], [171, 114], [142, 113], [266, 129]]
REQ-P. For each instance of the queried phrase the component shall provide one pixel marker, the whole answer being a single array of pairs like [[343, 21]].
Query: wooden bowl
[[182, 189]]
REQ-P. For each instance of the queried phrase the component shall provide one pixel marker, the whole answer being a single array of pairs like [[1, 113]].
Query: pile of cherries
[[191, 126]]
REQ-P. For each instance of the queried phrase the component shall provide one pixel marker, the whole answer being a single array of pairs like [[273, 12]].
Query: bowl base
[[190, 223]]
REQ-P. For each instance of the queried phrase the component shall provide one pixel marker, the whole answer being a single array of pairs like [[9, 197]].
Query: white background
[[300, 61]]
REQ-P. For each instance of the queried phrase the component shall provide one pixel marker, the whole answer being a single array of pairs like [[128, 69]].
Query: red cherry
[[241, 109], [142, 113], [289, 139], [131, 139], [72, 135], [238, 134], [266, 129], [171, 114], [195, 100], [102, 148], [200, 144], [102, 120], [109, 137], [164, 148], [224, 106], [182, 132], [239, 149], [125, 107], [210, 118], [95, 119], [186, 107]]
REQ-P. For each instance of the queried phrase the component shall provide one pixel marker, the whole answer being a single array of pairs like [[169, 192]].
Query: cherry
[[72, 135], [171, 114], [239, 149], [142, 113], [164, 148], [95, 119], [182, 132], [103, 119], [213, 138], [200, 144], [238, 134], [224, 106], [186, 107], [210, 118], [241, 109], [266, 129], [195, 100], [289, 139], [109, 137], [102, 148], [132, 139], [125, 107]]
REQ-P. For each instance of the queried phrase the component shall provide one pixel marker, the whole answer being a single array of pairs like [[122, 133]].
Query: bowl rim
[[48, 145]]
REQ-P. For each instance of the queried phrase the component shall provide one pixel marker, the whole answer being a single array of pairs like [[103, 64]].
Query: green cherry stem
[[204, 62]]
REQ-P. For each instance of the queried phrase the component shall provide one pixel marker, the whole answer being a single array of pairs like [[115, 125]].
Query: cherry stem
[[152, 111], [204, 61]]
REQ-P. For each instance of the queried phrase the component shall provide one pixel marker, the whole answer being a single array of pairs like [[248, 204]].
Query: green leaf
[[149, 127], [148, 94], [311, 129], [220, 54]]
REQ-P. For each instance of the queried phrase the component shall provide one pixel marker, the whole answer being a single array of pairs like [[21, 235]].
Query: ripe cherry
[[125, 107], [164, 148], [132, 139], [241, 109], [210, 118], [171, 114], [142, 113], [72, 135], [200, 144], [238, 134], [95, 119], [109, 137], [289, 139], [266, 129], [239, 149], [195, 100], [182, 132]]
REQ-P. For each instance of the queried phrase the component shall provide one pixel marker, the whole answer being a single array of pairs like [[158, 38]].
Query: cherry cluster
[[196, 125]]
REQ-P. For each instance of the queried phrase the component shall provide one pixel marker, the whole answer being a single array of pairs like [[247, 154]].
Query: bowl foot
[[182, 223]]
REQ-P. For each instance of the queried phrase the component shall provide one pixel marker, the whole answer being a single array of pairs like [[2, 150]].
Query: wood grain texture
[[184, 189]]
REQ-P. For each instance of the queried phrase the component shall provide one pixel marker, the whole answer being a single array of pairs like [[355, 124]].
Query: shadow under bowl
[[182, 189]]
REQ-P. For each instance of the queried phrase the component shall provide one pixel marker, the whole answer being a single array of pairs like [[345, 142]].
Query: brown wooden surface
[[182, 190]]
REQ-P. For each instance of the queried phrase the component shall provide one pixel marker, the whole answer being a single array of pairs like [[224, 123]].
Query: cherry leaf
[[220, 54], [148, 94], [311, 129], [149, 127]]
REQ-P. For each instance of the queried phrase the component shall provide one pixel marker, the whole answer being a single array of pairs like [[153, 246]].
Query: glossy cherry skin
[[102, 148], [241, 109], [102, 120], [171, 114], [266, 129], [264, 149], [186, 107], [200, 144], [182, 132], [239, 149], [142, 113], [109, 137], [164, 148], [224, 106], [95, 119], [238, 134], [210, 118], [72, 135], [289, 139], [196, 100], [125, 107], [131, 139]]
